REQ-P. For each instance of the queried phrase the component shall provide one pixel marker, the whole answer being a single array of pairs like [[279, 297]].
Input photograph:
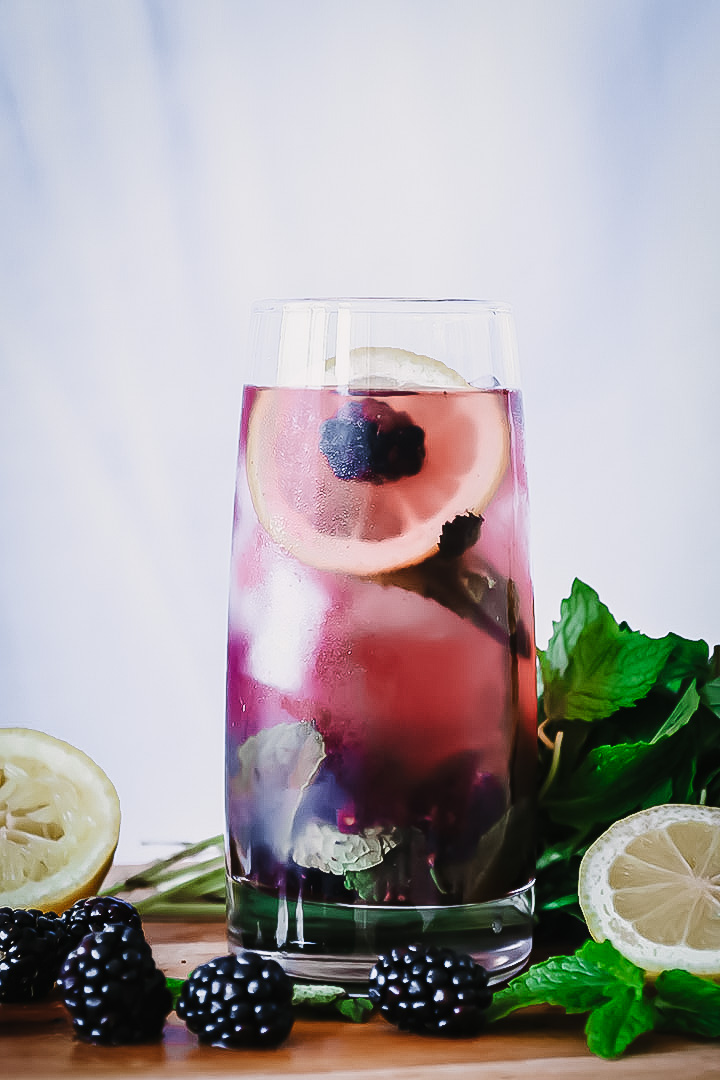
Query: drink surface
[[381, 702]]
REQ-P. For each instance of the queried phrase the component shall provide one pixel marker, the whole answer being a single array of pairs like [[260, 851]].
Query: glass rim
[[411, 305]]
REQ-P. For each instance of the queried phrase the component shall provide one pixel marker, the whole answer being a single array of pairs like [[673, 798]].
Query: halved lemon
[[651, 886], [59, 822], [367, 528]]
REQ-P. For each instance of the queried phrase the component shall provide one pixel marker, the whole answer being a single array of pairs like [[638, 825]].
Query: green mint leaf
[[596, 980], [688, 1004], [357, 1009], [710, 695], [611, 1027], [593, 666], [175, 987], [687, 660], [605, 957], [683, 711], [608, 784], [366, 884], [327, 1001], [577, 983], [611, 781], [311, 996]]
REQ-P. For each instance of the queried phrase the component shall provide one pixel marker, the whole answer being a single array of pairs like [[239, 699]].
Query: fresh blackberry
[[369, 440], [94, 914], [32, 948], [236, 1001], [112, 989], [432, 990]]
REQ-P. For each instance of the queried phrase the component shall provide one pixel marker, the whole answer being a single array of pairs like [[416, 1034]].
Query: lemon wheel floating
[[59, 822], [651, 886], [361, 527]]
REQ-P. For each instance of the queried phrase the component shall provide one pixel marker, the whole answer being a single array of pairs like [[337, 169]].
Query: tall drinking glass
[[381, 694]]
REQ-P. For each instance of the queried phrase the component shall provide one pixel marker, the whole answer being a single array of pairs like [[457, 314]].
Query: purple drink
[[381, 706]]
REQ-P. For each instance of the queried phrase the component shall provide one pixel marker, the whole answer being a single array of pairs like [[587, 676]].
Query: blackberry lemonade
[[381, 695]]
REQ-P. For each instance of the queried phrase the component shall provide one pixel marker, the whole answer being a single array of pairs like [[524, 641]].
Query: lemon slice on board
[[651, 886], [361, 527], [59, 822]]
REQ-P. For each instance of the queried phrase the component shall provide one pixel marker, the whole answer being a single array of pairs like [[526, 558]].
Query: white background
[[164, 163]]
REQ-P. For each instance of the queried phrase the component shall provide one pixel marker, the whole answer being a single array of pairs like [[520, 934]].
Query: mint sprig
[[628, 722], [620, 1002]]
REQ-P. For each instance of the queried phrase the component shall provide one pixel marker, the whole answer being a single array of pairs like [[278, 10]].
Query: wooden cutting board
[[36, 1043]]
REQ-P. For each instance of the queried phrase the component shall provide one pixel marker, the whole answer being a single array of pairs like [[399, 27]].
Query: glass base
[[339, 943]]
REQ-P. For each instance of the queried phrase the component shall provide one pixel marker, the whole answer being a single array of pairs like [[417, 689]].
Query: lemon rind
[[596, 895]]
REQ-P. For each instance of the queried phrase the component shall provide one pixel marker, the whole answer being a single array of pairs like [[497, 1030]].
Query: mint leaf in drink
[[484, 599], [459, 534], [286, 755], [272, 770], [322, 846], [368, 886]]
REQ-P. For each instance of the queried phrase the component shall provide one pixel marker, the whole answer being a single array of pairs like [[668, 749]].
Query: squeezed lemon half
[[651, 886], [59, 822]]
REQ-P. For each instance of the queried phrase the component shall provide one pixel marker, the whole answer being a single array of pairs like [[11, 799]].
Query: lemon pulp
[[651, 885], [59, 821]]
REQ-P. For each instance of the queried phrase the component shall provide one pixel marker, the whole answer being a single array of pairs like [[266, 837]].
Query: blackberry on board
[[32, 948], [430, 990], [236, 1001], [113, 989], [90, 915]]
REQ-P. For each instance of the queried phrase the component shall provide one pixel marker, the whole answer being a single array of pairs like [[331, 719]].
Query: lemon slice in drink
[[354, 525], [59, 822], [651, 886], [378, 368]]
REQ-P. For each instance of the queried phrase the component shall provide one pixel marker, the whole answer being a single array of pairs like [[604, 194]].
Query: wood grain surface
[[36, 1043]]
